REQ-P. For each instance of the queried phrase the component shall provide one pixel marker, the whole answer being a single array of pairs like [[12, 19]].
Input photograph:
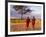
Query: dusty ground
[[21, 26]]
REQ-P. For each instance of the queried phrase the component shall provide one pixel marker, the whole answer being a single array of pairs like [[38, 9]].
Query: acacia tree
[[22, 9]]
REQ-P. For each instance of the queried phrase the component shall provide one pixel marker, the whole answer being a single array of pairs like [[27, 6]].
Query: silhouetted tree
[[22, 9]]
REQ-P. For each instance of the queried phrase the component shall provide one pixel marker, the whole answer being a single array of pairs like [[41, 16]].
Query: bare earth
[[22, 26]]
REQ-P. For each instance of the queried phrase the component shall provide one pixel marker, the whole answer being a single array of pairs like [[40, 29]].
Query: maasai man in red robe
[[33, 22], [27, 22]]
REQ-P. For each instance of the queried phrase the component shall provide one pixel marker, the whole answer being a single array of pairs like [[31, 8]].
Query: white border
[[24, 32]]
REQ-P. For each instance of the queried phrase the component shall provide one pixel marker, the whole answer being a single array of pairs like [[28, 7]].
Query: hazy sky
[[36, 12]]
